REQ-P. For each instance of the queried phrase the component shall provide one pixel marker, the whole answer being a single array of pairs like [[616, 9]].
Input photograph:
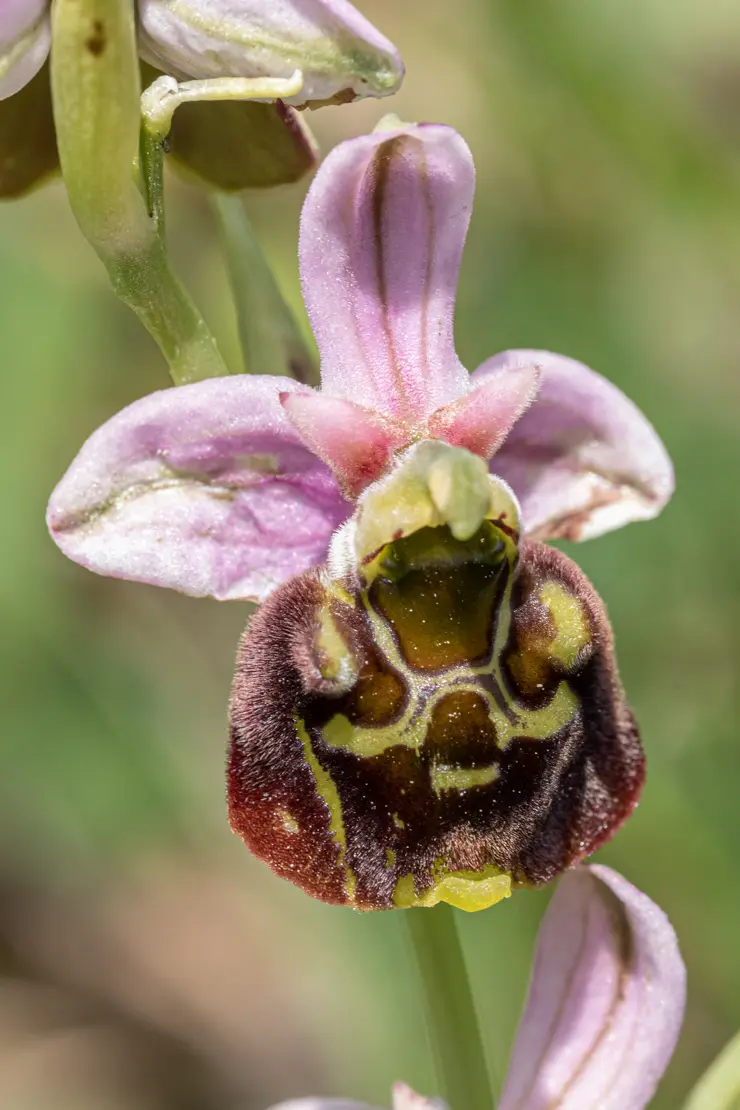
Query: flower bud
[[95, 86], [436, 715], [238, 144], [340, 53], [24, 42]]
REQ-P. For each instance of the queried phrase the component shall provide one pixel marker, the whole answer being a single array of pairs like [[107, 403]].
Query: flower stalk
[[165, 94], [159, 101], [95, 88], [459, 1057]]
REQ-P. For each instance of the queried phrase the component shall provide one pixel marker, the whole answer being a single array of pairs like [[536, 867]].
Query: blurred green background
[[146, 961]]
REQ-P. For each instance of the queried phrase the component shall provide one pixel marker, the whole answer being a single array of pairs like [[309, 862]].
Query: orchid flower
[[604, 1010], [340, 54], [427, 706]]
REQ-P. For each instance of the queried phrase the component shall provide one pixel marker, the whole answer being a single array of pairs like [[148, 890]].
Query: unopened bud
[[340, 53]]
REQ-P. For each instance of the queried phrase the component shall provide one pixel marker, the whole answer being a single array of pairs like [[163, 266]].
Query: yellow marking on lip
[[466, 890], [530, 724], [539, 724], [330, 795], [288, 821], [338, 592], [339, 732], [445, 777], [336, 663], [573, 631]]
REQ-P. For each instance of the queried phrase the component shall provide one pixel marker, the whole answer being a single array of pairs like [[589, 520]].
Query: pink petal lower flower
[[322, 1104], [404, 1098], [583, 459], [604, 1010], [605, 1003], [207, 489]]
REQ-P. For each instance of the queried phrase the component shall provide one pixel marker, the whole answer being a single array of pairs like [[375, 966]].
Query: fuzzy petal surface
[[583, 459], [481, 420], [341, 55], [404, 1098], [357, 443], [25, 35], [605, 1002], [382, 233], [205, 488], [322, 1104]]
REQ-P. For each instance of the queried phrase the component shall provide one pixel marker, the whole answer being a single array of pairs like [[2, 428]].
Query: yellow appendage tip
[[466, 890]]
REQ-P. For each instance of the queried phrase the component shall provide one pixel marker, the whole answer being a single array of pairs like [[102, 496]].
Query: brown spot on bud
[[96, 41]]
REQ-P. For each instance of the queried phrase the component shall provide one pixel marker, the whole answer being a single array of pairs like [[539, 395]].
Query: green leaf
[[271, 340], [719, 1087]]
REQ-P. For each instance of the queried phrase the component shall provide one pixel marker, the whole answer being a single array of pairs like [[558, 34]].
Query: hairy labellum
[[441, 725]]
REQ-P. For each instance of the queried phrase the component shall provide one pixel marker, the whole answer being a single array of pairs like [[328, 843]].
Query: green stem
[[462, 1072], [96, 97], [165, 94], [143, 278], [151, 156], [145, 282]]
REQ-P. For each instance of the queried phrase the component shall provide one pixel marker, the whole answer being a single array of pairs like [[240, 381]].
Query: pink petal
[[483, 418], [25, 35], [605, 1003], [583, 459], [357, 443], [321, 1104], [206, 489], [382, 233], [17, 17], [404, 1098]]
